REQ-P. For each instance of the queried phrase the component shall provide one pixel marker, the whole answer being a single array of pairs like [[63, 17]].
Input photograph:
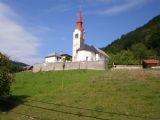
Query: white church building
[[83, 55], [82, 51]]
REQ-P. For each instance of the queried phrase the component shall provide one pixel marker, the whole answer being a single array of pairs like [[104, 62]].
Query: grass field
[[84, 95]]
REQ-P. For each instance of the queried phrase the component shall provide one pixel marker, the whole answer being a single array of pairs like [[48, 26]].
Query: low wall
[[97, 65], [129, 67], [155, 67]]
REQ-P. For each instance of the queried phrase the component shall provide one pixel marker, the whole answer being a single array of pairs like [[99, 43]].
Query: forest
[[133, 47]]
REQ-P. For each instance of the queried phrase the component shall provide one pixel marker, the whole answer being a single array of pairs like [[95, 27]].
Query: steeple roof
[[79, 22]]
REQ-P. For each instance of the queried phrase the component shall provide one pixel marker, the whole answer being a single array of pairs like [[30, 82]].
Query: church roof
[[79, 22], [101, 52], [55, 54], [92, 49], [87, 48]]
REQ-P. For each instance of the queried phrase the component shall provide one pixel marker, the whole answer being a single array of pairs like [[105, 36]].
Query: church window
[[86, 58], [76, 35]]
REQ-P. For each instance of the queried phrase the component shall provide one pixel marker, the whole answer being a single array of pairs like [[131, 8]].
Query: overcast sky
[[31, 29]]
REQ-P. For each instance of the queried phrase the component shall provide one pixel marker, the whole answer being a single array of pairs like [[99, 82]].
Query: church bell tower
[[78, 37]]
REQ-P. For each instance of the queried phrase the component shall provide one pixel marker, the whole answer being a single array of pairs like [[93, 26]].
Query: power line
[[76, 114], [65, 112], [55, 110], [114, 113]]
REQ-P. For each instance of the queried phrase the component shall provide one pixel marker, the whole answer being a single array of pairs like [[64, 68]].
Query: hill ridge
[[139, 43]]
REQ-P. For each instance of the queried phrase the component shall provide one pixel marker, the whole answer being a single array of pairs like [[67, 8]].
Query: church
[[82, 51], [83, 56]]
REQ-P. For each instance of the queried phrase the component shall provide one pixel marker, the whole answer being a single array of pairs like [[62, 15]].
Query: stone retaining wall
[[129, 67], [96, 65]]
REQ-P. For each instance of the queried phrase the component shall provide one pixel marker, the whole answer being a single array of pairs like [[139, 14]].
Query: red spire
[[79, 22]]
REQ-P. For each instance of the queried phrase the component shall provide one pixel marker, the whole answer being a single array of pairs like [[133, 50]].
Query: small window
[[76, 35], [86, 58]]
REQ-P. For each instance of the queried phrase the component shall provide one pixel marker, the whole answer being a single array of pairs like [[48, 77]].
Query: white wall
[[51, 59], [100, 57], [77, 43], [84, 55]]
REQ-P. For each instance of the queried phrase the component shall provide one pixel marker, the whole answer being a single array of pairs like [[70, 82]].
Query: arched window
[[76, 35]]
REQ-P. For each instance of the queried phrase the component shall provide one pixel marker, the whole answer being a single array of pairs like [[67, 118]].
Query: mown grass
[[86, 95]]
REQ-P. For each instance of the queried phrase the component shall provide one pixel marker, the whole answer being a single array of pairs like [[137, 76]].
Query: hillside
[[19, 63], [17, 66], [13, 66], [146, 37], [84, 95]]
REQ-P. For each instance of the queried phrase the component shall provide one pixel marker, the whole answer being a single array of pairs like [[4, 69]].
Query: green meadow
[[84, 95]]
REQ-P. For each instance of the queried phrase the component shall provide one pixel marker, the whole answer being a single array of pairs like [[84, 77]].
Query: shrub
[[6, 77]]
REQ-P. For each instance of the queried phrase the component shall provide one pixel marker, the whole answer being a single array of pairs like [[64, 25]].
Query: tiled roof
[[92, 49], [52, 55], [87, 48], [152, 61], [79, 23], [60, 54], [101, 52]]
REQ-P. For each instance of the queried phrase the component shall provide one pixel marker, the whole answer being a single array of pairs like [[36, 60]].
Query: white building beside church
[[57, 57], [82, 51]]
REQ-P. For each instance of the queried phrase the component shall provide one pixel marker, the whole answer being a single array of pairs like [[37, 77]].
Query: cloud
[[104, 1], [116, 6], [129, 4], [41, 30], [15, 40], [63, 7]]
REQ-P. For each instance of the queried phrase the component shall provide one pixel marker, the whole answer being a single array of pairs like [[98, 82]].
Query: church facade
[[82, 51]]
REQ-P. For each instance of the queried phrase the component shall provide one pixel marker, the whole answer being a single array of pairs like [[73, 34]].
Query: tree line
[[142, 43]]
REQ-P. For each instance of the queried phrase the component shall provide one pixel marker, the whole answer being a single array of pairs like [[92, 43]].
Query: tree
[[143, 38], [155, 42], [6, 77], [139, 50], [123, 57]]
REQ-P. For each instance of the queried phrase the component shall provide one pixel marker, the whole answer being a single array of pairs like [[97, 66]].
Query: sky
[[32, 29]]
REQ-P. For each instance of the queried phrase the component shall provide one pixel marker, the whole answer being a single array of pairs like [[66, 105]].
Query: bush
[[124, 58], [6, 77], [5, 83]]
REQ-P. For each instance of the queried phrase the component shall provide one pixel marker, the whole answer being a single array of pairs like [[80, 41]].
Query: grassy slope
[[115, 95]]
